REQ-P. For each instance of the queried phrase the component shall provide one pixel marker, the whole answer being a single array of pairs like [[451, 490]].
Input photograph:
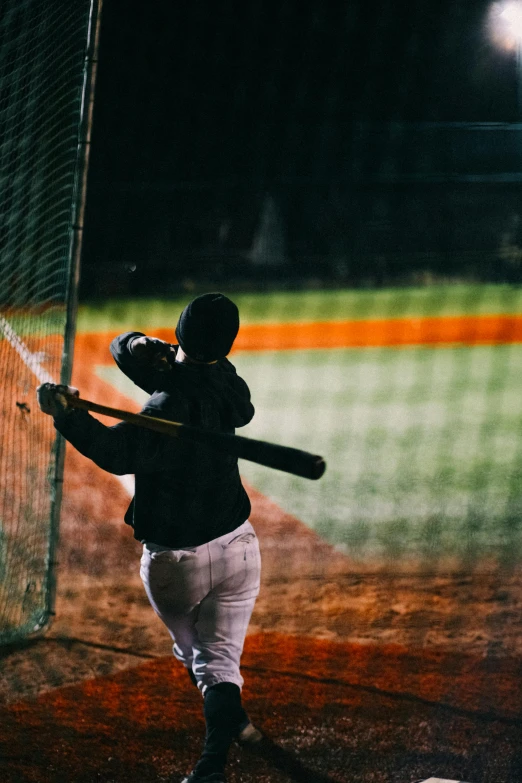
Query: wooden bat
[[286, 458]]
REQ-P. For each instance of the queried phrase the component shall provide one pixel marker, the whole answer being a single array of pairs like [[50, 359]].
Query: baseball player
[[201, 564]]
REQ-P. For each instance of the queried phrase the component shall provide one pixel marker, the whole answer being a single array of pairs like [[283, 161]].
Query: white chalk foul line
[[33, 362]]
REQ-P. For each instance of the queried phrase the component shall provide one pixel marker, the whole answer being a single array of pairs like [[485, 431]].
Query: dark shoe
[[216, 777], [249, 736]]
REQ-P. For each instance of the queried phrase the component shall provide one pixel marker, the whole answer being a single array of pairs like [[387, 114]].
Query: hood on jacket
[[212, 396]]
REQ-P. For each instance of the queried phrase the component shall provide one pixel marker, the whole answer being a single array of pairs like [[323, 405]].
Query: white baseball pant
[[205, 595]]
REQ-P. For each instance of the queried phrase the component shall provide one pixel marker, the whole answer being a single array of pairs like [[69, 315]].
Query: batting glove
[[152, 351], [51, 400]]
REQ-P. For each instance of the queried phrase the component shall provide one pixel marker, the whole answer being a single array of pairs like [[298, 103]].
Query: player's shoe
[[249, 736], [216, 777]]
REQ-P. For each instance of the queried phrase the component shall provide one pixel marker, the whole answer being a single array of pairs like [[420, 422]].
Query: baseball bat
[[285, 458]]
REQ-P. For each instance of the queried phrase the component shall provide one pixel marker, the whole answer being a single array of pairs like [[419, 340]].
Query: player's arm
[[142, 359], [121, 449]]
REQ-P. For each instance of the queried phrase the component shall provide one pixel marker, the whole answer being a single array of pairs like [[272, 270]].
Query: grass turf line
[[299, 306]]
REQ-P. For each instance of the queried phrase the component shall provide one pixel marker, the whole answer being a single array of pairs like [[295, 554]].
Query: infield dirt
[[358, 673]]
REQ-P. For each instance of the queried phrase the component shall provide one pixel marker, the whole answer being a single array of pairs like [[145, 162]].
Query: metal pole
[[519, 78], [77, 218], [84, 145]]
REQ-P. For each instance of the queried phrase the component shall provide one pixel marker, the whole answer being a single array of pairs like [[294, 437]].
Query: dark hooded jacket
[[185, 494]]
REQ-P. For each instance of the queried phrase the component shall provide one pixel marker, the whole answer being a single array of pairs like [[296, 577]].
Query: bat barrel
[[285, 458]]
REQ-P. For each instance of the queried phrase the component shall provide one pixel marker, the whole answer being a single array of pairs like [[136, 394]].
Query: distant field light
[[505, 21], [512, 14]]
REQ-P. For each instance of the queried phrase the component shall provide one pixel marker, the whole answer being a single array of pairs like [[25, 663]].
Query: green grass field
[[281, 307], [423, 444]]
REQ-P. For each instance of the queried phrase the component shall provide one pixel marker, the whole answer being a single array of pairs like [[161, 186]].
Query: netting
[[283, 142], [43, 78], [411, 395], [360, 173], [413, 398]]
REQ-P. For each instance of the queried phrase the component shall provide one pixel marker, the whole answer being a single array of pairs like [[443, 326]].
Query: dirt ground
[[308, 589], [330, 712], [354, 675], [357, 672]]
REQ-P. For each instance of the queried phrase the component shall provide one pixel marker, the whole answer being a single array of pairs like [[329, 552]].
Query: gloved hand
[[152, 351], [51, 400]]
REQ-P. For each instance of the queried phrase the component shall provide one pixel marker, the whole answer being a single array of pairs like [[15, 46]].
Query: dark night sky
[[221, 99], [199, 88]]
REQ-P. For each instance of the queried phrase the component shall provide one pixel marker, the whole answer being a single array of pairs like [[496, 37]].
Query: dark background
[[264, 143]]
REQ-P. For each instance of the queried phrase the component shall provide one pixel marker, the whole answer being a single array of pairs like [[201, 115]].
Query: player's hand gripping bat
[[286, 458]]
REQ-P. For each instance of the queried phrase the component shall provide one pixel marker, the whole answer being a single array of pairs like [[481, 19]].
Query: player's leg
[[223, 618], [205, 597], [175, 581], [225, 612]]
